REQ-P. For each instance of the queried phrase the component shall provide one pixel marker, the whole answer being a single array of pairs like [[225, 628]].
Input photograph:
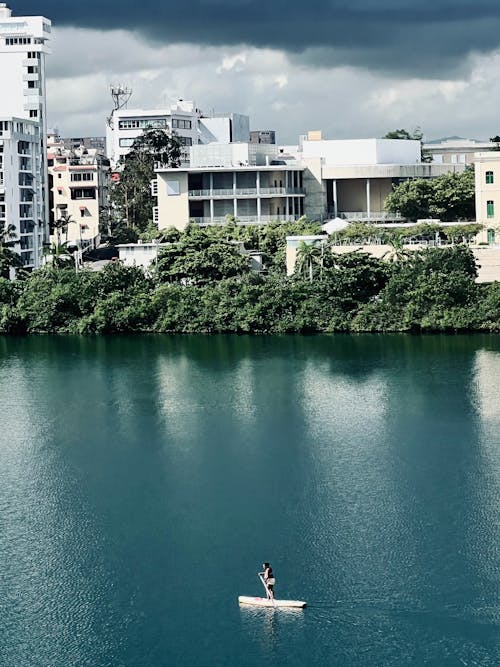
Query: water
[[144, 480]]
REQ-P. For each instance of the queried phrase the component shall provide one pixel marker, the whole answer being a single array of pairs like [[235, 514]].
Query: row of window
[[141, 124], [82, 176], [83, 193], [179, 124], [12, 41]]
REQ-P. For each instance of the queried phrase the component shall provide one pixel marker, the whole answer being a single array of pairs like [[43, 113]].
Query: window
[[83, 193], [126, 143], [142, 123], [489, 177], [186, 141], [32, 84], [180, 124], [490, 208], [33, 113], [82, 176], [173, 188]]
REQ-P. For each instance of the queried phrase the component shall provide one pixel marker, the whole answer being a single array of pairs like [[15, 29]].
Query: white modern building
[[259, 183], [184, 119], [246, 182], [23, 174], [79, 181]]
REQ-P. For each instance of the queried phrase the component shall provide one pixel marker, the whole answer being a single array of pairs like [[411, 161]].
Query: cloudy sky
[[353, 68]]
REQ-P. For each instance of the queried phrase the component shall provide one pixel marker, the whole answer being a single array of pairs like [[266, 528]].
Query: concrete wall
[[173, 209], [315, 203], [488, 258], [363, 151]]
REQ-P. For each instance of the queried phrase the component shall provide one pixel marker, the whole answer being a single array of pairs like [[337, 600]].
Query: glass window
[[489, 177], [490, 208]]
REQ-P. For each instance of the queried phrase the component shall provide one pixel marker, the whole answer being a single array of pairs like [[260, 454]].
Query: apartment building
[[246, 182], [23, 171], [79, 180], [184, 119]]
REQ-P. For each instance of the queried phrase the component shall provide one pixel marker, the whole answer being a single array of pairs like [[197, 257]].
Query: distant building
[[139, 254], [79, 182], [23, 166], [456, 150], [262, 137], [190, 124], [95, 143]]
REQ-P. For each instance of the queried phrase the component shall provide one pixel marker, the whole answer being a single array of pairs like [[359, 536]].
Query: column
[[211, 197], [287, 208], [368, 201], [335, 204], [235, 201]]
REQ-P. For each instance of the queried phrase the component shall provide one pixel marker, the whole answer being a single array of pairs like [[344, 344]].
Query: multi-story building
[[456, 150], [23, 47], [78, 190], [487, 173], [184, 119], [96, 143], [246, 182], [262, 137], [257, 183]]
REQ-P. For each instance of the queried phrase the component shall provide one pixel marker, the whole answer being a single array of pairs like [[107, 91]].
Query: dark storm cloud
[[426, 37]]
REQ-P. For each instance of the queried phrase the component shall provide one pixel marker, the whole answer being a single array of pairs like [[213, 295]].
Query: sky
[[352, 68]]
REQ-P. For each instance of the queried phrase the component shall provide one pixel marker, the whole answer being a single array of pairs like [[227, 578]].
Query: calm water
[[143, 482]]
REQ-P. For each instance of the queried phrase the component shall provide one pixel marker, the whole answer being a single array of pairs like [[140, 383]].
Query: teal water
[[144, 480]]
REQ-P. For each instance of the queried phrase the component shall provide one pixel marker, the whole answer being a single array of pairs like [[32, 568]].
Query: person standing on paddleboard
[[269, 579]]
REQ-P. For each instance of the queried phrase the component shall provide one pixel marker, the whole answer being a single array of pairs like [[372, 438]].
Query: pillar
[[368, 198]]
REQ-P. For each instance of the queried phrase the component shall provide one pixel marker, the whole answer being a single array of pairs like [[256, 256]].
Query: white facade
[[139, 254], [79, 181], [362, 151], [23, 47], [22, 197], [259, 183], [183, 119]]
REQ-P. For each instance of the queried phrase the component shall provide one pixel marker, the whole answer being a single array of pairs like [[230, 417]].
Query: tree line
[[202, 283]]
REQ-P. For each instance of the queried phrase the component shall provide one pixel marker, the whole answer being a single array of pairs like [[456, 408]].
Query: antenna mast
[[120, 96]]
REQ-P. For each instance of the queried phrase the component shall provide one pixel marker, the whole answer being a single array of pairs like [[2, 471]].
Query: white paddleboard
[[265, 602]]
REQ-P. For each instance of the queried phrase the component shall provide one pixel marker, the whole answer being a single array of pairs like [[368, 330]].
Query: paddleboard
[[265, 602]]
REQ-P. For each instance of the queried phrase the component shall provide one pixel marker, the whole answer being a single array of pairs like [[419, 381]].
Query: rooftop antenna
[[120, 96]]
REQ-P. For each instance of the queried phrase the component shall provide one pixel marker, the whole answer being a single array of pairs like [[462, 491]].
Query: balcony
[[244, 219], [231, 193]]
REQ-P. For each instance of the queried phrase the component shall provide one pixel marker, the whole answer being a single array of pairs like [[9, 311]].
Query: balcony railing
[[246, 192], [245, 219], [364, 216]]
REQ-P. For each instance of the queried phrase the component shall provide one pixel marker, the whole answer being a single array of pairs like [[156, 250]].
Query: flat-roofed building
[[79, 181], [487, 174], [23, 167]]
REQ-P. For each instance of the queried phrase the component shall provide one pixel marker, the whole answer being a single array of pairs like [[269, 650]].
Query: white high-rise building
[[23, 129], [190, 124]]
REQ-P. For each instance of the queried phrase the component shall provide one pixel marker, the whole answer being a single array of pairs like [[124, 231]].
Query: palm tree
[[307, 256], [61, 226], [59, 256], [396, 252], [8, 258]]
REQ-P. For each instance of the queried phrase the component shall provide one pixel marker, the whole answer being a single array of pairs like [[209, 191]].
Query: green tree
[[131, 198], [9, 259], [308, 254], [449, 197]]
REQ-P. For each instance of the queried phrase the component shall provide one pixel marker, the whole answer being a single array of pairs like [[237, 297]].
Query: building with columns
[[242, 181], [23, 165], [259, 183]]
